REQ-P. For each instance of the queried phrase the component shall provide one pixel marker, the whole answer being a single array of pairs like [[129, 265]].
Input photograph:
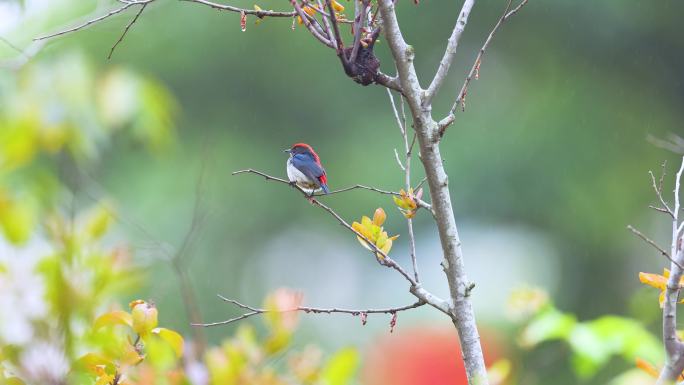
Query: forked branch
[[475, 69], [674, 347], [252, 311], [415, 287]]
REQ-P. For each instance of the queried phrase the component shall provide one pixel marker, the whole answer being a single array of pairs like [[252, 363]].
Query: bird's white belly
[[294, 175]]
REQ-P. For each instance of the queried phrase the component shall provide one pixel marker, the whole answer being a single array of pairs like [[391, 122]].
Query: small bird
[[304, 168]]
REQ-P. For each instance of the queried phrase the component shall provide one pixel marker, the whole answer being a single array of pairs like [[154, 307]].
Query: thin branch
[[401, 124], [142, 8], [24, 55], [384, 260], [389, 82], [336, 30], [449, 53], [673, 345], [260, 14], [659, 209], [9, 44], [659, 193], [460, 99], [652, 243], [421, 183], [407, 178], [95, 20], [307, 309], [359, 21], [381, 256], [396, 156], [307, 23], [326, 22], [421, 203]]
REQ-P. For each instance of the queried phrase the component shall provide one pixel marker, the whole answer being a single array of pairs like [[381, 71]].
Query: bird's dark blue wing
[[308, 166]]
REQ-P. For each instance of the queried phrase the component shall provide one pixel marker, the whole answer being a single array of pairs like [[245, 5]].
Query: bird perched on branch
[[304, 168]]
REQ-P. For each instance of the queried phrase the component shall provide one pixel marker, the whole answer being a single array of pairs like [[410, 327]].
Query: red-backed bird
[[304, 168]]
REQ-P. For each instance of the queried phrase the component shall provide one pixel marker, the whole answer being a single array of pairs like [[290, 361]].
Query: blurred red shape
[[419, 356]]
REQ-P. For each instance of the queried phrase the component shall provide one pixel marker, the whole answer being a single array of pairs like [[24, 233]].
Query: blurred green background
[[548, 164]]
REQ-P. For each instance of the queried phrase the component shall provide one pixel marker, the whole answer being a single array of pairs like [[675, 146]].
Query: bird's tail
[[324, 187]]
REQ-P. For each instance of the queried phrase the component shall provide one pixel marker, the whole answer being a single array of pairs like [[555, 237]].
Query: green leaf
[[549, 325], [595, 342], [89, 361], [174, 339], [340, 369], [98, 222], [17, 220]]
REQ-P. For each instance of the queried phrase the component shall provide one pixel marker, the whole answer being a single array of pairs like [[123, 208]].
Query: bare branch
[[11, 45], [307, 309], [384, 259], [449, 53], [381, 256], [338, 38], [420, 184], [307, 22], [260, 13], [326, 22], [659, 209], [652, 243], [460, 98], [421, 203], [673, 345], [142, 8], [407, 178], [359, 21], [396, 157], [659, 192], [95, 20], [389, 82]]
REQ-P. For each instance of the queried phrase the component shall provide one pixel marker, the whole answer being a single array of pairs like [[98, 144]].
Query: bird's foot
[[311, 199]]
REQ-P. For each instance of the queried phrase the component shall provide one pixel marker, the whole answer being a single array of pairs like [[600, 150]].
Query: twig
[[306, 309], [9, 44], [142, 8], [307, 23], [421, 203], [381, 256], [95, 20], [258, 13], [659, 192], [449, 52], [420, 184], [338, 38], [674, 347], [407, 178], [444, 123], [652, 243], [385, 260], [359, 21], [396, 156]]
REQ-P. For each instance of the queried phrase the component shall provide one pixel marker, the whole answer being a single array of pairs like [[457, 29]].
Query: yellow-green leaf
[[174, 339], [99, 221], [116, 317], [341, 367]]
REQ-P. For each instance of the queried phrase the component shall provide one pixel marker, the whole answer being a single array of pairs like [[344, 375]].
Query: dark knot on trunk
[[364, 69]]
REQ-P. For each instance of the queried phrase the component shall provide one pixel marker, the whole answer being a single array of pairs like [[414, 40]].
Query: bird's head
[[303, 148]]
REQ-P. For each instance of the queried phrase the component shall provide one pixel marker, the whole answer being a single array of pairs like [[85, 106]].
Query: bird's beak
[[287, 150]]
